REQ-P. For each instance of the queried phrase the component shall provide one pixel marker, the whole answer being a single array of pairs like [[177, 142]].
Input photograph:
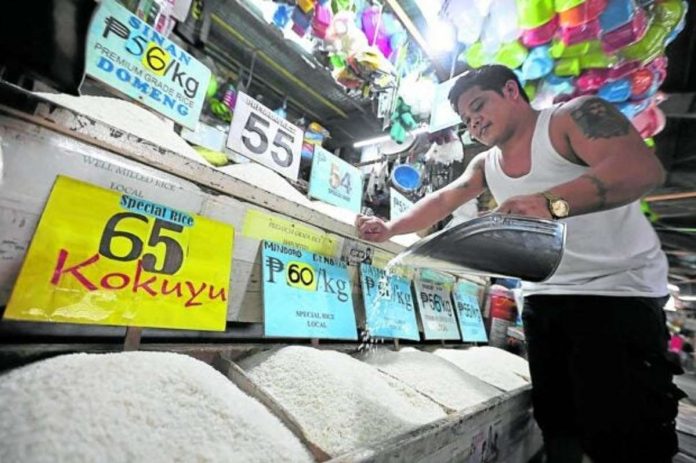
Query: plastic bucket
[[405, 178]]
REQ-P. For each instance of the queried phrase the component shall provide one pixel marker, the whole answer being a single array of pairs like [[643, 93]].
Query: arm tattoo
[[479, 166], [602, 189], [599, 119]]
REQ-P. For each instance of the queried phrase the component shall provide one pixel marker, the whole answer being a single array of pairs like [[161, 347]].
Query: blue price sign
[[436, 311], [389, 307], [469, 311], [335, 181], [127, 54], [306, 295]]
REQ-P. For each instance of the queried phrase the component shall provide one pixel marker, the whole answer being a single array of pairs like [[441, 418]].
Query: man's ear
[[511, 90]]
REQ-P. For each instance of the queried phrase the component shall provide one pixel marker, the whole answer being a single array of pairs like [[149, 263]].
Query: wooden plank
[[132, 340], [456, 437]]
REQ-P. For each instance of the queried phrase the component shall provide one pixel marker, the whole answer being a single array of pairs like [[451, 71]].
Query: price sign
[[436, 311], [305, 295], [389, 307], [130, 56], [262, 136], [398, 204], [335, 181], [100, 257], [469, 312]]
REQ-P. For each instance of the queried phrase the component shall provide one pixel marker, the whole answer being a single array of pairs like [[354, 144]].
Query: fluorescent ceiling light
[[383, 138]]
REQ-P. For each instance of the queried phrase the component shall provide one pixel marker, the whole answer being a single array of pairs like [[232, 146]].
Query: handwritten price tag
[[469, 311], [262, 136], [99, 257], [335, 181], [436, 311]]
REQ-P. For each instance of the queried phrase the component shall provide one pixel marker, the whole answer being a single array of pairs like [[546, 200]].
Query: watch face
[[560, 208]]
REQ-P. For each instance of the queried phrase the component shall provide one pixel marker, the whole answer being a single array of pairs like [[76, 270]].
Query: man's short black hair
[[488, 77]]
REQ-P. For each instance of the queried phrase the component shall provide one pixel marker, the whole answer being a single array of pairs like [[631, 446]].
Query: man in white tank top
[[596, 334]]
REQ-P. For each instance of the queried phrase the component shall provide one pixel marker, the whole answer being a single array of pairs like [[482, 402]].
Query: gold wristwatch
[[558, 207]]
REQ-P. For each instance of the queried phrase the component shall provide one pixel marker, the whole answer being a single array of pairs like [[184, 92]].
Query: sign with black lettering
[[100, 257], [262, 136], [436, 311], [469, 312], [128, 55], [335, 181], [305, 295], [398, 204]]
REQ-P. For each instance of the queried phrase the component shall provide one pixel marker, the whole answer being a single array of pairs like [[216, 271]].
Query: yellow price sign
[[301, 275], [100, 257], [156, 59]]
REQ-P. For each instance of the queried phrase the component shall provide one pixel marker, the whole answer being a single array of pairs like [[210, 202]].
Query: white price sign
[[398, 204], [436, 311], [262, 136]]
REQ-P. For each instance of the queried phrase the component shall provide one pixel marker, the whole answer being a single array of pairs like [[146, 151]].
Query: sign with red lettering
[[100, 257]]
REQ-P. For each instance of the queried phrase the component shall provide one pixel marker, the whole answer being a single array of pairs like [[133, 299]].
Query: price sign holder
[[100, 257], [465, 296], [261, 135], [389, 308], [436, 311], [306, 295], [335, 181]]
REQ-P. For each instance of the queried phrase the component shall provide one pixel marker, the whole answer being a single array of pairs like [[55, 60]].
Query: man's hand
[[528, 205], [372, 228]]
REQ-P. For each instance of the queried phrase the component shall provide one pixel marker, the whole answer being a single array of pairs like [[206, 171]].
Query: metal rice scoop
[[502, 245]]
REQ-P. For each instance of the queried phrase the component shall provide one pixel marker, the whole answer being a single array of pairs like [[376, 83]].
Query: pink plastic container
[[581, 33], [540, 35], [627, 34], [591, 80]]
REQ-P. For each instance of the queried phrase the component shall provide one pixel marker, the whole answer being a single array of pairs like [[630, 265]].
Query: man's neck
[[520, 140]]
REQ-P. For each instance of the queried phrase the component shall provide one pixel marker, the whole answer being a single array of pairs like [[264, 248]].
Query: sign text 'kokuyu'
[[303, 275], [129, 55], [120, 260]]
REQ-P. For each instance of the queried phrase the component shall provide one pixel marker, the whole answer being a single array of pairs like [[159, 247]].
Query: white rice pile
[[135, 407], [126, 116], [341, 403], [488, 364], [433, 376]]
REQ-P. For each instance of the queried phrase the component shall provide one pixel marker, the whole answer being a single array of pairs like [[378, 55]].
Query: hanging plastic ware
[[476, 57], [534, 13], [560, 85], [561, 50], [301, 22], [616, 14], [627, 34], [563, 5], [641, 81], [631, 109], [321, 21], [649, 122], [584, 13], [538, 63], [307, 6], [649, 47], [530, 88], [468, 19], [592, 80], [598, 59], [503, 19], [511, 55], [668, 13], [581, 33], [540, 35], [282, 15], [616, 91], [677, 30], [567, 67], [624, 69]]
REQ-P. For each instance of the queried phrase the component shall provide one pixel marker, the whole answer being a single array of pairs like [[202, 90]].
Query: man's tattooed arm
[[600, 119]]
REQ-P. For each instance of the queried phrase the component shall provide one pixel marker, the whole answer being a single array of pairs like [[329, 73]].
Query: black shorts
[[601, 373]]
